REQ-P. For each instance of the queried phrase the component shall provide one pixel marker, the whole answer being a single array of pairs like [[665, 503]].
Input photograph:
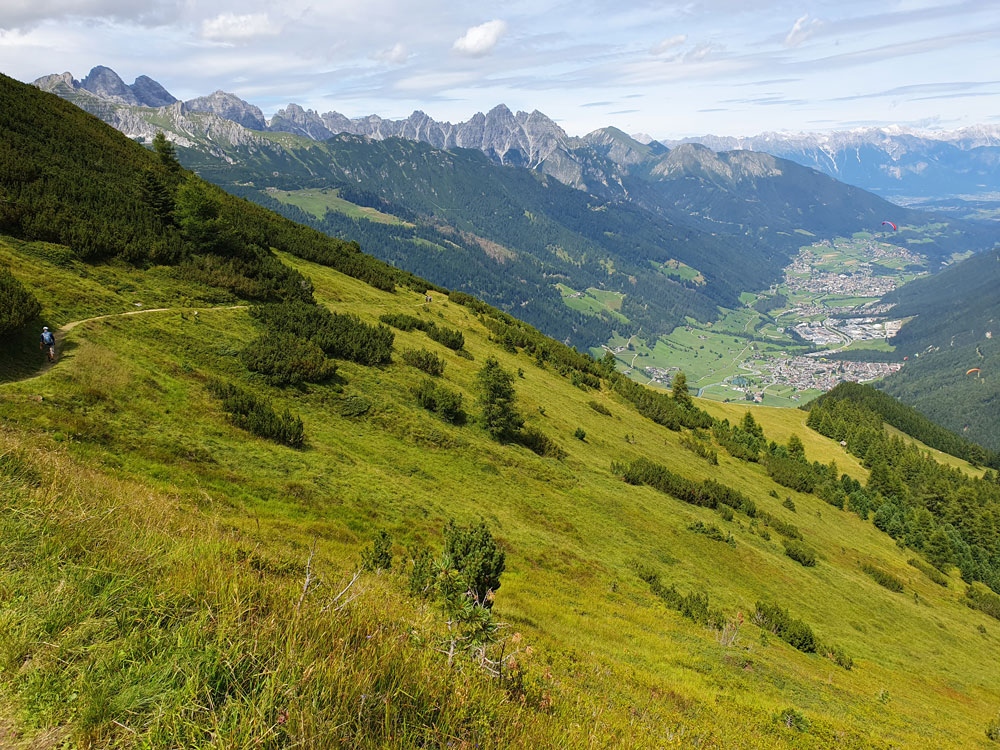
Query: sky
[[665, 68]]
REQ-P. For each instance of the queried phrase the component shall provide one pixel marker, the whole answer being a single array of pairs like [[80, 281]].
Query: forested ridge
[[956, 329], [68, 178]]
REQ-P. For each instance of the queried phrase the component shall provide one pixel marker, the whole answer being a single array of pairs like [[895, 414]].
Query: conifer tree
[[496, 397]]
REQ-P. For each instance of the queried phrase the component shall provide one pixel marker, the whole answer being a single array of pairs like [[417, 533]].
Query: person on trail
[[47, 343]]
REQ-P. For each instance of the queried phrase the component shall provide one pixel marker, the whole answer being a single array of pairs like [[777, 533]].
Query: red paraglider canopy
[[894, 227]]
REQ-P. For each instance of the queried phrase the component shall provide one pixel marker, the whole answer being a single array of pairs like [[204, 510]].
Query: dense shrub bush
[[580, 434], [700, 449], [799, 552], [788, 503], [930, 571], [255, 414], [707, 493], [712, 532], [475, 553], [882, 578], [17, 305], [424, 360], [538, 442], [784, 528], [287, 359], [339, 335], [440, 399], [447, 336], [599, 408], [693, 606], [354, 406], [404, 322], [981, 598], [796, 633]]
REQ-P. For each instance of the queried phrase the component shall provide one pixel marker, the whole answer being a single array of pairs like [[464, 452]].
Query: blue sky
[[670, 69]]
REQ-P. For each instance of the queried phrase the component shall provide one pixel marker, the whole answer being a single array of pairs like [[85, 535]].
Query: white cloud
[[396, 54], [802, 30], [229, 27], [668, 44], [481, 39], [16, 14]]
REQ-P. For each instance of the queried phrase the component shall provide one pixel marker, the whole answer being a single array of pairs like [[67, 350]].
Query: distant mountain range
[[891, 161], [478, 206]]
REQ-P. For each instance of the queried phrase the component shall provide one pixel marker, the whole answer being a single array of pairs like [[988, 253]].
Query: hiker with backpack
[[47, 343]]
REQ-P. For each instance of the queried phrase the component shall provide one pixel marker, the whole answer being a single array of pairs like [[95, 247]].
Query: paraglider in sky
[[974, 369], [894, 227]]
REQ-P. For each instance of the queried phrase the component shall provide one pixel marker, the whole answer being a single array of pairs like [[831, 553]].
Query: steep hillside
[[223, 522], [955, 329]]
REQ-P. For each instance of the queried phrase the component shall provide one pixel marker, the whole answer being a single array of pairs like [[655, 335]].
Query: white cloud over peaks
[[481, 39], [803, 28], [396, 54], [229, 27], [668, 44]]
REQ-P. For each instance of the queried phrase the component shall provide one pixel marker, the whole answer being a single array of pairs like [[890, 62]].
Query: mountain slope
[[166, 572], [955, 328]]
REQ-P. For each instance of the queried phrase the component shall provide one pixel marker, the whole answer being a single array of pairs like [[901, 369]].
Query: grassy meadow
[[155, 557]]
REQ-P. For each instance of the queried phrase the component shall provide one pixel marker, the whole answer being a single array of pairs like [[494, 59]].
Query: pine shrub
[[18, 306], [447, 337], [340, 335], [800, 552], [440, 399], [599, 408], [255, 414], [424, 360], [538, 442], [378, 555], [882, 578], [930, 571], [287, 359], [795, 632]]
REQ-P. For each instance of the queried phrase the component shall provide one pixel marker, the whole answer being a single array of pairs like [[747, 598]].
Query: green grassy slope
[[159, 556]]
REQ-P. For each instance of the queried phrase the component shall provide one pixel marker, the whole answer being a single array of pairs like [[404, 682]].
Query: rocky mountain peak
[[104, 82], [151, 93], [294, 119], [229, 106]]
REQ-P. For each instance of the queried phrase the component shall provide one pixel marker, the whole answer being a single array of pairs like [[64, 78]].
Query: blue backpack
[[48, 339]]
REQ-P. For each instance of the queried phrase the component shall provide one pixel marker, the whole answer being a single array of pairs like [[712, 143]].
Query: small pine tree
[[496, 398], [795, 448], [679, 390], [475, 553], [167, 153]]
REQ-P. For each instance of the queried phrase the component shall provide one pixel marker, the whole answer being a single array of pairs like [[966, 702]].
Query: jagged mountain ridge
[[891, 161]]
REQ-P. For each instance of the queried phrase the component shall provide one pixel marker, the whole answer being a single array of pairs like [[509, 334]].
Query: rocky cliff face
[[229, 106], [104, 83], [151, 93], [294, 119]]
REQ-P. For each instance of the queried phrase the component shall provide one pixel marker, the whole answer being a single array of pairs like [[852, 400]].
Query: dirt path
[[67, 327]]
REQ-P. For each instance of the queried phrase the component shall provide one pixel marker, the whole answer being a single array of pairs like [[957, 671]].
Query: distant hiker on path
[[47, 343]]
